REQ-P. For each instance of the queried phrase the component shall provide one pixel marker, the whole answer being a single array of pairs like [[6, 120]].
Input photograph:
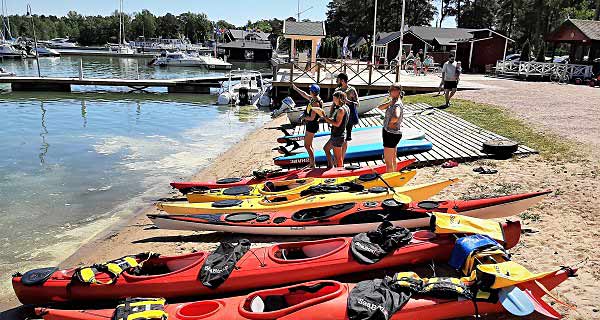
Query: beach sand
[[562, 230]]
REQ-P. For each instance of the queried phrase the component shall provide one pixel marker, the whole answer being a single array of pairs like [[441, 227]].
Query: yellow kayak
[[298, 202], [296, 186]]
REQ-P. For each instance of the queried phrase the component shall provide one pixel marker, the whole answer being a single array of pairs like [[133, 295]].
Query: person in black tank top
[[311, 119], [338, 121]]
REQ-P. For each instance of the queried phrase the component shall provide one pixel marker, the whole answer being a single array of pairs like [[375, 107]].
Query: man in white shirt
[[450, 76]]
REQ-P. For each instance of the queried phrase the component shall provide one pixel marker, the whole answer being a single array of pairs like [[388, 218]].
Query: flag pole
[[374, 32]]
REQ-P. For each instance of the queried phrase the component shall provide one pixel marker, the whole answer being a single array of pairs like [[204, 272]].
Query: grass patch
[[498, 120]]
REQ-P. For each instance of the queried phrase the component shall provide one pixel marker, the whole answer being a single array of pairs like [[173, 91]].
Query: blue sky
[[235, 11]]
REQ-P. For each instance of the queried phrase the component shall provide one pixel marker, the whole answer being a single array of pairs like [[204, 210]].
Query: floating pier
[[452, 137], [185, 85]]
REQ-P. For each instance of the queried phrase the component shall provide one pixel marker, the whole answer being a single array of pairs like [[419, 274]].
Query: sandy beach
[[561, 231]]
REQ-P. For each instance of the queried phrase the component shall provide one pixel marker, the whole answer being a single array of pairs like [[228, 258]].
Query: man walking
[[450, 76]]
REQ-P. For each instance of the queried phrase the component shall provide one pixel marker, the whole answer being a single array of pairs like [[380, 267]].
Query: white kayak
[[366, 104]]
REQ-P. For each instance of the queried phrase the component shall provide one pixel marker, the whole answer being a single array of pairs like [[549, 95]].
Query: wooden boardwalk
[[452, 137]]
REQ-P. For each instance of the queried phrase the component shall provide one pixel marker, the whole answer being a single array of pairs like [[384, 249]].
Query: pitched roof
[[430, 33], [590, 28], [387, 37], [445, 41], [261, 45], [242, 34], [304, 28]]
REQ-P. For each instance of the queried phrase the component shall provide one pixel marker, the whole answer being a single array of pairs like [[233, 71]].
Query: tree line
[[526, 21], [99, 30]]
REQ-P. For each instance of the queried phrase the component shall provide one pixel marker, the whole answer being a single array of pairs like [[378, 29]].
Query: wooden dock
[[185, 85], [452, 137], [365, 77]]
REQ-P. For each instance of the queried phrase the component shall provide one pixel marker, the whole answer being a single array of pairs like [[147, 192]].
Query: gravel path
[[571, 111]]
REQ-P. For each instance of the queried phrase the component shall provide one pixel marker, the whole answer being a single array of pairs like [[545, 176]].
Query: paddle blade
[[516, 302], [401, 198]]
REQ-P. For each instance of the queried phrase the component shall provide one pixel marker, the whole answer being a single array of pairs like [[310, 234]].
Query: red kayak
[[292, 262], [185, 187], [325, 300], [347, 218]]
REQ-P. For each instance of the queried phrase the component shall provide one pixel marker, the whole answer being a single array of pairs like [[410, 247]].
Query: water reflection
[[84, 112], [45, 145]]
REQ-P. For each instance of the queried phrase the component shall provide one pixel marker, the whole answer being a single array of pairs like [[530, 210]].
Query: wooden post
[[370, 67], [398, 72], [292, 72], [318, 73], [80, 69]]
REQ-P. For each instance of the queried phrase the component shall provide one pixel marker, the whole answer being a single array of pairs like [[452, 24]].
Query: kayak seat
[[237, 191], [310, 250]]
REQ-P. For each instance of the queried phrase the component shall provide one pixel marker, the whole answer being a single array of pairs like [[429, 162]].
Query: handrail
[[366, 72]]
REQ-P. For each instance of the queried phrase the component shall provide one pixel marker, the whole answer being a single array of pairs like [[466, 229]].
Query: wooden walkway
[[452, 137]]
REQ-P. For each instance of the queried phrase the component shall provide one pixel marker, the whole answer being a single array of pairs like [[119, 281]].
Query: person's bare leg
[[452, 94], [339, 159], [308, 140], [389, 156], [327, 149], [447, 95], [344, 149]]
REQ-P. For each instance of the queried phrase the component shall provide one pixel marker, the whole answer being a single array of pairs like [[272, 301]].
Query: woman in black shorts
[[391, 132], [311, 118], [338, 122]]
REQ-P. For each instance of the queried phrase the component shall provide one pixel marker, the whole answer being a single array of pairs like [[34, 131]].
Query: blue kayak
[[355, 152]]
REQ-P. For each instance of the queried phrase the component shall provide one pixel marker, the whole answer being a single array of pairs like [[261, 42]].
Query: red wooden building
[[485, 47], [583, 38]]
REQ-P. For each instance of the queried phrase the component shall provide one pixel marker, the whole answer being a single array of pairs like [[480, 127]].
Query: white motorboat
[[47, 52], [120, 49], [295, 113], [250, 90], [62, 43], [182, 59], [7, 50]]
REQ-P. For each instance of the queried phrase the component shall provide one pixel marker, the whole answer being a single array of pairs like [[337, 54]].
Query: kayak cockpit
[[162, 266], [277, 303], [271, 187], [304, 251]]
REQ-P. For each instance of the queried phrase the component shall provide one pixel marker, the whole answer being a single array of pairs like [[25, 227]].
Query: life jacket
[[437, 287], [456, 223], [504, 274], [467, 252], [114, 268], [141, 308]]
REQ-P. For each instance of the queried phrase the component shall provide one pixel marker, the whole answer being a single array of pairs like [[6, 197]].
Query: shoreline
[[99, 247]]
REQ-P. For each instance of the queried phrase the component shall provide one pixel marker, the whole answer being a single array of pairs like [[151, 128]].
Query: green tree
[[196, 26], [168, 26], [526, 51], [222, 24], [143, 24]]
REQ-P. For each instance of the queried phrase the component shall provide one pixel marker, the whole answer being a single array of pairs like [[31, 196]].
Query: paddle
[[400, 198], [515, 301]]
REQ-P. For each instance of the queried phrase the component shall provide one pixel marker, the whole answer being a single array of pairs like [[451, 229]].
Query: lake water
[[72, 163]]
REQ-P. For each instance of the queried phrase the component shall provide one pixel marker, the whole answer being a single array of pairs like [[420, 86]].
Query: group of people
[[421, 62], [343, 116]]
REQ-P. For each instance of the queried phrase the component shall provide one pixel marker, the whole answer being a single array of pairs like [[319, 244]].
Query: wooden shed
[[583, 36], [485, 47]]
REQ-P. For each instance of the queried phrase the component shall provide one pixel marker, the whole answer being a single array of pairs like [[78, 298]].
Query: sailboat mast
[[120, 22]]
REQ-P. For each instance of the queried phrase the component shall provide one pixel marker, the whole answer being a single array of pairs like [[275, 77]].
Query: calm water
[[72, 163]]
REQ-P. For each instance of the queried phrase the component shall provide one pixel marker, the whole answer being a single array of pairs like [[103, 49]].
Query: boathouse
[[247, 45]]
